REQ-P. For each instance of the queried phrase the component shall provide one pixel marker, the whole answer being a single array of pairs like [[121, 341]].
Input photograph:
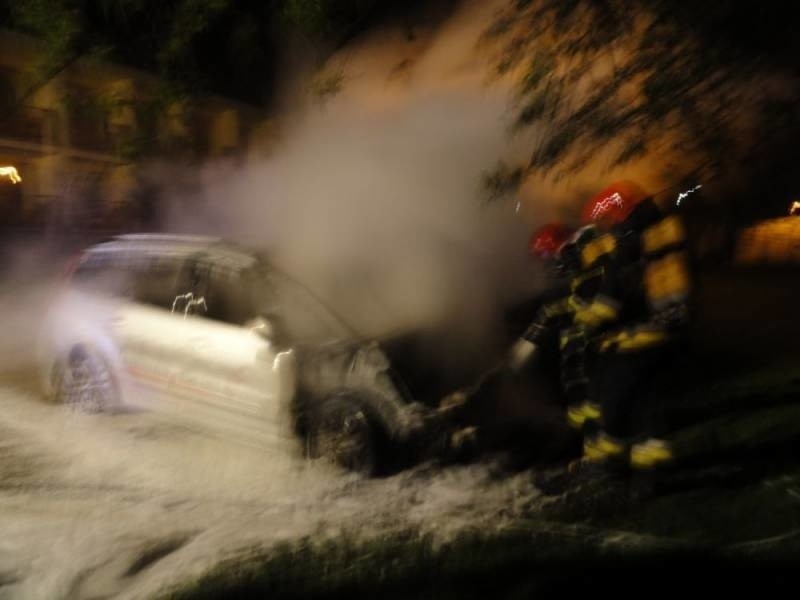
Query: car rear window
[[149, 278], [155, 279], [98, 273]]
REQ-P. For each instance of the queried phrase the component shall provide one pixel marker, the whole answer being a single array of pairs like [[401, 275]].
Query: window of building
[[7, 90]]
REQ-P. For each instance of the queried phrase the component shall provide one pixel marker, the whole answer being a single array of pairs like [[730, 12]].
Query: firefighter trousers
[[622, 385]]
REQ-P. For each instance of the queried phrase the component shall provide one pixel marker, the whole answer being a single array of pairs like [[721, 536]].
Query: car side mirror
[[261, 327], [270, 327]]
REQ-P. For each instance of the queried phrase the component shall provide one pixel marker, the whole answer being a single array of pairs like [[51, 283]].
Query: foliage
[[194, 45], [337, 18], [326, 85], [63, 42], [642, 76], [501, 181]]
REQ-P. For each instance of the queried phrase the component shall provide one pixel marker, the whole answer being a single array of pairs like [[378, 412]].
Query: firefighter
[[552, 245], [577, 260], [582, 259], [639, 314]]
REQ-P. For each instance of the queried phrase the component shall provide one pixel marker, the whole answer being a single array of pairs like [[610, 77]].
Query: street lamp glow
[[11, 173], [683, 195]]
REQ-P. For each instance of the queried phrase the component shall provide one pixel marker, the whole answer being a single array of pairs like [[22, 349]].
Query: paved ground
[[129, 505], [107, 505]]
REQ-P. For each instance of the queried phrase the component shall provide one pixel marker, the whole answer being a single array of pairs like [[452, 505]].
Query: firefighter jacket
[[583, 262], [643, 300]]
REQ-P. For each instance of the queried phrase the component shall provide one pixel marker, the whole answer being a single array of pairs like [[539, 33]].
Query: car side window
[[219, 294], [189, 295], [155, 279], [100, 273], [209, 290], [305, 317], [255, 297]]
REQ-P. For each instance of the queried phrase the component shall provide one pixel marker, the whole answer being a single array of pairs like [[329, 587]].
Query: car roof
[[136, 250], [174, 238], [178, 246]]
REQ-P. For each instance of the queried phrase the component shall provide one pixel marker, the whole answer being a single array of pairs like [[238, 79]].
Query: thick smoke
[[385, 201], [373, 197]]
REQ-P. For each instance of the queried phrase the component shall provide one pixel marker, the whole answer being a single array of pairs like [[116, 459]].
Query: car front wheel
[[84, 382], [343, 433]]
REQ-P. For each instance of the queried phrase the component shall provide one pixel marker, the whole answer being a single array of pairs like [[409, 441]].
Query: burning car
[[214, 333]]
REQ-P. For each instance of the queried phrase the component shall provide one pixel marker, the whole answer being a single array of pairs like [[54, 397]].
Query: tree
[[647, 76], [193, 45], [180, 41]]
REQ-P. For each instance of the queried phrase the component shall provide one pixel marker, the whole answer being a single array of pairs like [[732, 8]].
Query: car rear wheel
[[84, 382], [343, 433]]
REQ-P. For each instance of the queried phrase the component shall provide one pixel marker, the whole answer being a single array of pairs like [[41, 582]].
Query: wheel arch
[[86, 340]]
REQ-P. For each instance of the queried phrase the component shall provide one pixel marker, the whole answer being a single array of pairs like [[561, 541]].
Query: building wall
[[77, 141], [771, 241]]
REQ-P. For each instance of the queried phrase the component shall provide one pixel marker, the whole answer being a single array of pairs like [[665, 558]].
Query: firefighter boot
[[581, 414], [605, 450], [462, 444], [650, 454]]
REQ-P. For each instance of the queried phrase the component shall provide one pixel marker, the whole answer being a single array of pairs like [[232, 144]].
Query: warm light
[[683, 195], [11, 173], [794, 209], [603, 205]]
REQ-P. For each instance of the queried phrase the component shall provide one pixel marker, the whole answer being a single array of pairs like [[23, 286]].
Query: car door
[[146, 330], [107, 309], [229, 376]]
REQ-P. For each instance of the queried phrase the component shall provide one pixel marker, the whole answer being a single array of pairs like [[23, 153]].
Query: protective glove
[[453, 401], [521, 354]]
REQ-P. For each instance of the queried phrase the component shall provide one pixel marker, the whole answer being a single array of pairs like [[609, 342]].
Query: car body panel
[[172, 357]]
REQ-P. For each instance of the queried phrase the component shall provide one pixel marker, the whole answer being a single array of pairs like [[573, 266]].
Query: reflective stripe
[[601, 447], [650, 453], [577, 304], [667, 278], [557, 308], [581, 278], [574, 418], [628, 340], [595, 249], [570, 335], [591, 453], [598, 312], [609, 446], [578, 415], [665, 233], [547, 317]]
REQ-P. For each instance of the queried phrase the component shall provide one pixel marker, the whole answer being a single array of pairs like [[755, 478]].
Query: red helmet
[[613, 204], [548, 240]]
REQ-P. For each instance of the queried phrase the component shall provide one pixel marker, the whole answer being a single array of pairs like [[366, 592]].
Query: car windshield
[[305, 317]]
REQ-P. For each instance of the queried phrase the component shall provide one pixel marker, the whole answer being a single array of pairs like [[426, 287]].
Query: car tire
[[343, 432], [84, 381]]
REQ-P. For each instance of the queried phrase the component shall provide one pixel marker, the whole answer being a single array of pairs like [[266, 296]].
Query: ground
[[133, 506]]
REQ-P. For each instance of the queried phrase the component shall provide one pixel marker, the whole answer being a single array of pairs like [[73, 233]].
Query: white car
[[213, 333]]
